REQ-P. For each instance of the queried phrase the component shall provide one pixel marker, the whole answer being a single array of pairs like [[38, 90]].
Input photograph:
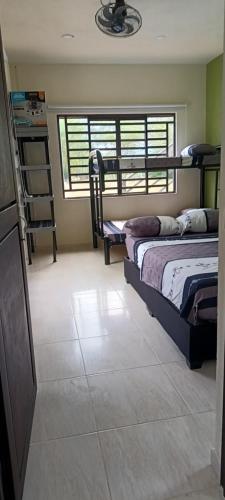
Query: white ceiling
[[32, 32]]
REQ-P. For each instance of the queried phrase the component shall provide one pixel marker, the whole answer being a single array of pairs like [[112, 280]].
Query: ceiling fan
[[118, 19]]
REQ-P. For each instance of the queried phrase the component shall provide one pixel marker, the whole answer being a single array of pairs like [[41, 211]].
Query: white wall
[[111, 85]]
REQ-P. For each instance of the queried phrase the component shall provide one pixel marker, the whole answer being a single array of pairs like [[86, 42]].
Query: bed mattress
[[113, 229], [182, 269]]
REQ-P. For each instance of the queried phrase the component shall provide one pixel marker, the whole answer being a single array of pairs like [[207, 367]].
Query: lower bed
[[113, 234], [113, 230], [177, 279]]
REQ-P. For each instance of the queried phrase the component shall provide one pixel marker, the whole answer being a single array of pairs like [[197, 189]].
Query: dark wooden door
[[17, 369]]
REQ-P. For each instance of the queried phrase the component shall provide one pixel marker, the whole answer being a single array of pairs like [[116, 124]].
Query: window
[[130, 137]]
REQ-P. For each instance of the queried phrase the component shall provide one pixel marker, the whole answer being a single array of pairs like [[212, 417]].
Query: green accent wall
[[214, 79], [214, 84]]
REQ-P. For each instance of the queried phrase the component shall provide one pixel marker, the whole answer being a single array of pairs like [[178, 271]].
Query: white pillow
[[194, 221], [168, 225]]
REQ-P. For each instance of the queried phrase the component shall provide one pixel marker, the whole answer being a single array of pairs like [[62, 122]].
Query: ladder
[[33, 225]]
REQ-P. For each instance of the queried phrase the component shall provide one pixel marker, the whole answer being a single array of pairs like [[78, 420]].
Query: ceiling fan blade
[[107, 13], [103, 22], [134, 18], [129, 28]]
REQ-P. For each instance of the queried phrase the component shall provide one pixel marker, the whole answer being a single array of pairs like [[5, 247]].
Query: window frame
[[117, 117]]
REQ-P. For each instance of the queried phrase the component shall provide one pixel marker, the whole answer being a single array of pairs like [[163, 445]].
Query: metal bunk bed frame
[[98, 167]]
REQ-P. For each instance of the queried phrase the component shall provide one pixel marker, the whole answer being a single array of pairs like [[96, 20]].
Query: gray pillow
[[143, 226], [202, 149], [199, 149], [150, 225]]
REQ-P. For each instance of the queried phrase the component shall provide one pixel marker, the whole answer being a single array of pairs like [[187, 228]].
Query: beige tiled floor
[[118, 416]]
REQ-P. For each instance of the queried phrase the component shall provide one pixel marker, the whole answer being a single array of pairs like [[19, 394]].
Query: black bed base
[[197, 343], [108, 244]]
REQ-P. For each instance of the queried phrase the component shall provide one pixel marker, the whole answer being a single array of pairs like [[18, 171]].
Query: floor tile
[[52, 318], [58, 360], [105, 322], [159, 340], [63, 408], [115, 352], [134, 396], [206, 422], [159, 460], [197, 387], [95, 300], [66, 469], [54, 331], [131, 298], [165, 459], [97, 281]]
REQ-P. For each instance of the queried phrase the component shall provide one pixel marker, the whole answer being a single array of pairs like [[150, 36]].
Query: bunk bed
[[111, 231]]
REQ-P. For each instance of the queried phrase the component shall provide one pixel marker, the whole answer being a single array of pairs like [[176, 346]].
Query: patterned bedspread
[[185, 271], [113, 229]]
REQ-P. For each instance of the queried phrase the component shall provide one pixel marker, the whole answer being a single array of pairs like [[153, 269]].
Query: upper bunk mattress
[[113, 229], [182, 269]]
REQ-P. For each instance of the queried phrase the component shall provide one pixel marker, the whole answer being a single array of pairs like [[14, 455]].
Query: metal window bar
[[123, 124]]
